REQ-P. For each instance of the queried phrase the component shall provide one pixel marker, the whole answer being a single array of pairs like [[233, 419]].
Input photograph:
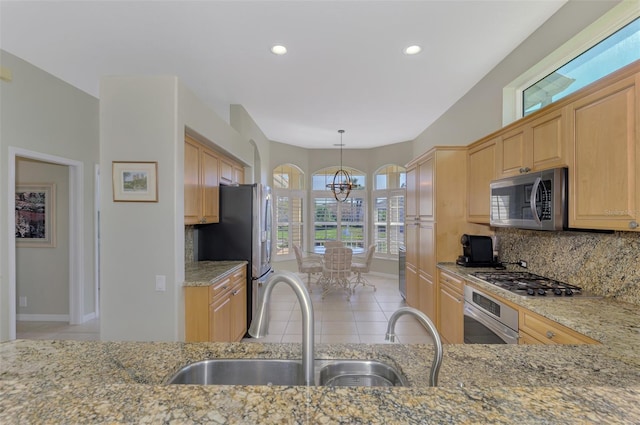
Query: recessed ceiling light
[[412, 50], [278, 50]]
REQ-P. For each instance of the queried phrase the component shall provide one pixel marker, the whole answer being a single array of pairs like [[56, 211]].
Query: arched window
[[388, 209], [289, 194], [343, 221]]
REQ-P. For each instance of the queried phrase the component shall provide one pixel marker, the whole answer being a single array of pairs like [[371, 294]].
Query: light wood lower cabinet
[[535, 329], [217, 312], [451, 308]]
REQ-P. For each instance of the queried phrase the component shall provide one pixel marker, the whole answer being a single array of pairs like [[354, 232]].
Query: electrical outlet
[[522, 263], [22, 301], [161, 283]]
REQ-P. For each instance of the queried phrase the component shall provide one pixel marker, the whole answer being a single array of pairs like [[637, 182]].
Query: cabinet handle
[[203, 220], [235, 292], [524, 170], [550, 334], [633, 225]]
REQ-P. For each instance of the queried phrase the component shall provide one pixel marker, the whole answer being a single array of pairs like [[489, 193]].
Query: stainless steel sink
[[359, 373], [332, 372], [240, 372]]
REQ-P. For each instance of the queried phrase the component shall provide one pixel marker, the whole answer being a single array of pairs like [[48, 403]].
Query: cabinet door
[[451, 315], [239, 311], [427, 293], [426, 249], [481, 170], [413, 293], [512, 152], [238, 174], [425, 189], [226, 172], [220, 319], [548, 140], [411, 244], [411, 208], [209, 178], [192, 207], [604, 183]]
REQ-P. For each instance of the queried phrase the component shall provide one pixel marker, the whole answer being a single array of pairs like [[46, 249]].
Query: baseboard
[[42, 317], [88, 317]]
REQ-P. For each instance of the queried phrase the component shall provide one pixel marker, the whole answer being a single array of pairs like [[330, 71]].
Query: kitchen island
[[123, 382]]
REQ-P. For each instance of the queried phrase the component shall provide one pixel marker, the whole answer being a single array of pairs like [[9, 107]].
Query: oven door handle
[[509, 335]]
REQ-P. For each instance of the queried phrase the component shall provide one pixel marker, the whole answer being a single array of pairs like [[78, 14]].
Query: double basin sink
[[369, 373]]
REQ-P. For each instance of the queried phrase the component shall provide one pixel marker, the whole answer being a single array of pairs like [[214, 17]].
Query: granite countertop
[[204, 273], [122, 382], [613, 323]]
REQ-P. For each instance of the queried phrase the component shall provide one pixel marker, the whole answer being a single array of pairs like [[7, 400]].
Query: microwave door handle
[[532, 200]]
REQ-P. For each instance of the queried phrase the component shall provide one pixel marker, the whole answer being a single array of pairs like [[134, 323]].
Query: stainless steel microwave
[[535, 200]]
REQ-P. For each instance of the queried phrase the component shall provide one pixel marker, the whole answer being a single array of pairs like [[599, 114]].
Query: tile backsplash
[[606, 264]]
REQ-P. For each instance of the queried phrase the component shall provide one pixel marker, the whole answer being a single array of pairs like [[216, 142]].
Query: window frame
[[361, 192], [388, 193], [279, 192], [612, 21]]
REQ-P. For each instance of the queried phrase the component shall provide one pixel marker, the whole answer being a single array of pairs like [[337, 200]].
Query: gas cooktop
[[531, 285]]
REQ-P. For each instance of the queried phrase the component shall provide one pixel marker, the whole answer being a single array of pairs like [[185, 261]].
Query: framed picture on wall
[[135, 181], [36, 215]]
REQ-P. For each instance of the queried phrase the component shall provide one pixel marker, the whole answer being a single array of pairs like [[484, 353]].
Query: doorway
[[76, 258]]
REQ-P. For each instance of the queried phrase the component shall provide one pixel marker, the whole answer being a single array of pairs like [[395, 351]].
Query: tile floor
[[88, 331], [362, 320]]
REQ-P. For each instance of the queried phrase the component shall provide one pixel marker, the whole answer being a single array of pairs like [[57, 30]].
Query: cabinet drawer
[[239, 276], [550, 332], [219, 289], [454, 283]]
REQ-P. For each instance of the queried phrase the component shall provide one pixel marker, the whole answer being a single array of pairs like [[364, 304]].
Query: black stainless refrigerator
[[243, 233]]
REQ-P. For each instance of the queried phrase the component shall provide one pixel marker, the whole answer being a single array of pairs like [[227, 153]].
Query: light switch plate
[[161, 283]]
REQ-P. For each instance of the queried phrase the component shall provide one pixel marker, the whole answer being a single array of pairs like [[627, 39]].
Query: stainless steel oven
[[487, 320]]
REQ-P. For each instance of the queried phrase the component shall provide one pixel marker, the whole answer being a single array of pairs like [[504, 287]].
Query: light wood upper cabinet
[[481, 168], [411, 198], [200, 183], [425, 188], [210, 187], [192, 187], [604, 183], [230, 171], [511, 152], [536, 143], [204, 170]]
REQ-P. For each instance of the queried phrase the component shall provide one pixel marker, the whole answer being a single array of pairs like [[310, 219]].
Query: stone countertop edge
[[204, 273]]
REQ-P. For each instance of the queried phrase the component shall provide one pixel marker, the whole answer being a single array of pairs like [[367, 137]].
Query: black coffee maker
[[477, 251]]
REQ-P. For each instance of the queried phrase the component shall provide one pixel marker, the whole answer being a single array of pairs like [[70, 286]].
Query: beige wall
[[42, 274], [41, 113], [479, 112]]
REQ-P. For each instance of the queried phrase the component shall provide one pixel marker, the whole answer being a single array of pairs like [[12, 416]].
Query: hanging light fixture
[[342, 183]]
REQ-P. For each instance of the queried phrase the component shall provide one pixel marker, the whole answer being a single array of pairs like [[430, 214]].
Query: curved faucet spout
[[260, 324], [427, 323]]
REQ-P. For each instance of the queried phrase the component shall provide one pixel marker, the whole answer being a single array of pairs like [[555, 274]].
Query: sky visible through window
[[611, 54]]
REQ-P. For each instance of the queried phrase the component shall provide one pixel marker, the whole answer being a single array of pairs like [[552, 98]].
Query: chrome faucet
[[427, 323], [260, 323]]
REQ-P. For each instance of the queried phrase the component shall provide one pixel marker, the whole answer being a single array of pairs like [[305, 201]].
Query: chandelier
[[342, 183]]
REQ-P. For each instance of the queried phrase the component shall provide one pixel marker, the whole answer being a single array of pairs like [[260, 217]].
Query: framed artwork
[[135, 181], [36, 215]]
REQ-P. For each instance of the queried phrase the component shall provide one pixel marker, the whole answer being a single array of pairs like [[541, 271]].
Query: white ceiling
[[344, 69]]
